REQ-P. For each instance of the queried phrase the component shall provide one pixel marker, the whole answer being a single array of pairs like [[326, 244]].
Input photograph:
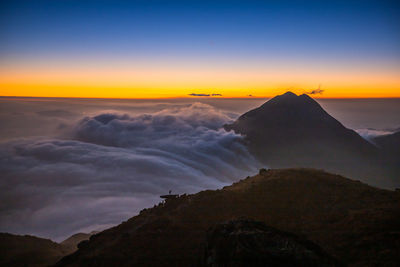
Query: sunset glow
[[180, 81], [147, 50]]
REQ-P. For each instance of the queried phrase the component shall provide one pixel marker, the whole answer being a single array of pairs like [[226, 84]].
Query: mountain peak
[[293, 130], [290, 98], [289, 94], [289, 107]]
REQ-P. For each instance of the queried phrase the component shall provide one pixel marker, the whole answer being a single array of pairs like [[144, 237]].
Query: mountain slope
[[295, 131], [390, 144], [390, 154], [73, 241], [17, 250], [353, 222]]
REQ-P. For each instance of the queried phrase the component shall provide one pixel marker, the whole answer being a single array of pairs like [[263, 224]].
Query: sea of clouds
[[106, 167], [77, 165]]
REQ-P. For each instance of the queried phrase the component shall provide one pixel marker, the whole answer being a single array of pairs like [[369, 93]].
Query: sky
[[158, 49]]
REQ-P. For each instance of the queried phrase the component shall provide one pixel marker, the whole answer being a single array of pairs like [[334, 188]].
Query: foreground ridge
[[355, 223]]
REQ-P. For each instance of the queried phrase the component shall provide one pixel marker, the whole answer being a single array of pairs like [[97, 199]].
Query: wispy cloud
[[193, 94], [317, 91]]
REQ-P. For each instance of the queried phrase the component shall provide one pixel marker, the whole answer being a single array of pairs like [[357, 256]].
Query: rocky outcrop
[[244, 242]]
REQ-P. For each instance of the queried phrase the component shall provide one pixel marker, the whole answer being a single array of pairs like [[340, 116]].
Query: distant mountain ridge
[[295, 131], [75, 239], [390, 143], [27, 250], [389, 146], [18, 250]]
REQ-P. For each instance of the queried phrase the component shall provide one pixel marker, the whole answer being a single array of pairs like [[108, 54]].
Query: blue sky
[[330, 35], [323, 29]]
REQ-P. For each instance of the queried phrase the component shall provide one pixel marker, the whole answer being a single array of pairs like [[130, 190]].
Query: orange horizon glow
[[149, 82], [259, 49]]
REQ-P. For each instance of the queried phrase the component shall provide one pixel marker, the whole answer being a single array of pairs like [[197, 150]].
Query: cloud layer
[[369, 134], [112, 165]]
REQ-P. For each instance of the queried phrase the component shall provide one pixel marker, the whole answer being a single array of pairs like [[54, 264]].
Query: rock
[[262, 171], [250, 243]]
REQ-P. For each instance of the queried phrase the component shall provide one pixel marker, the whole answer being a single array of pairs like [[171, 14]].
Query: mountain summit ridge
[[289, 105]]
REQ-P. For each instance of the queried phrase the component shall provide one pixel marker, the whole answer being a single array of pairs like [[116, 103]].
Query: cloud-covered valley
[[108, 166], [70, 165]]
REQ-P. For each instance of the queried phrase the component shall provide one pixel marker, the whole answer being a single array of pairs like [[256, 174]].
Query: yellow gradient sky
[[130, 81]]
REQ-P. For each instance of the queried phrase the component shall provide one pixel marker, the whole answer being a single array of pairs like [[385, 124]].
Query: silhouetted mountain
[[355, 223], [17, 250], [75, 239], [390, 143], [295, 131], [242, 243], [389, 146]]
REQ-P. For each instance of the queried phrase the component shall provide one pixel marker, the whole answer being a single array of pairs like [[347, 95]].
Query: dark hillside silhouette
[[353, 222]]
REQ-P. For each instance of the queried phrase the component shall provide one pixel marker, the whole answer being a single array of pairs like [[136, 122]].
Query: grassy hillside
[[17, 250], [356, 223]]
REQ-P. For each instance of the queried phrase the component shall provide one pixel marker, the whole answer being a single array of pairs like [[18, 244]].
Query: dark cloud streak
[[193, 94], [318, 91]]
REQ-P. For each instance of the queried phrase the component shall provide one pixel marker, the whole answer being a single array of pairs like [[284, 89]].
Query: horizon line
[[187, 97]]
